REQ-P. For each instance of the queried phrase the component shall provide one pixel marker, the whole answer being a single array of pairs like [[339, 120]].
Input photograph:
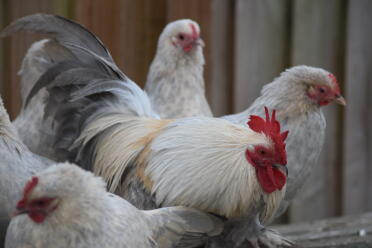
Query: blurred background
[[248, 43]]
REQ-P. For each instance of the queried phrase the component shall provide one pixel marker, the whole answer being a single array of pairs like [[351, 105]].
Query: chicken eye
[[262, 152], [181, 37], [322, 90], [40, 202]]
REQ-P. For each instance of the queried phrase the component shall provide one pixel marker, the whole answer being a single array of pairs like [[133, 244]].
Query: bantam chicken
[[175, 83], [298, 95], [17, 164], [65, 206]]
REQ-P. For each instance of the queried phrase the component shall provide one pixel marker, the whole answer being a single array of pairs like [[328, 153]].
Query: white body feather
[[175, 83], [196, 162]]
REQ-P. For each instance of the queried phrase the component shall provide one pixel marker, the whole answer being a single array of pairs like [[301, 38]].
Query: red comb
[[334, 81], [29, 186], [271, 128], [194, 32]]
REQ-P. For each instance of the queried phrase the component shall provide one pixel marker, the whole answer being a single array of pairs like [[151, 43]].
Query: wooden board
[[357, 170], [317, 40], [261, 47], [222, 57], [343, 232], [130, 29], [2, 55]]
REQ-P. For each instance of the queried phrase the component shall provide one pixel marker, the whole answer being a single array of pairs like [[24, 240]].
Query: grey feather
[[41, 56]]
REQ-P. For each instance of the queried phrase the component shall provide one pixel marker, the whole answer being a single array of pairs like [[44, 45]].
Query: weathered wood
[[199, 11], [2, 55], [357, 194], [222, 35], [317, 40], [348, 231], [261, 47], [129, 29]]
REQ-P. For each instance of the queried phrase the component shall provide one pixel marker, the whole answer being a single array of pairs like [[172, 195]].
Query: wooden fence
[[248, 43]]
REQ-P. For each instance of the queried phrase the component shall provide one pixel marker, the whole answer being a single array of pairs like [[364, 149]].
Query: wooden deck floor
[[343, 232]]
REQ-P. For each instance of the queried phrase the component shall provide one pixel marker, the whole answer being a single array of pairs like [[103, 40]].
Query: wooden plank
[[357, 147], [201, 12], [16, 46], [222, 36], [343, 232], [2, 55], [261, 47], [129, 29], [321, 49]]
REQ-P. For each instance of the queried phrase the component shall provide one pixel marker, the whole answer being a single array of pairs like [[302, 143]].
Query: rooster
[[16, 166], [298, 95], [175, 82], [65, 206], [106, 124]]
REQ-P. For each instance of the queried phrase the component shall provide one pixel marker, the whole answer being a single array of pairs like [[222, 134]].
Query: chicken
[[175, 82], [105, 123], [65, 206], [17, 165], [298, 95]]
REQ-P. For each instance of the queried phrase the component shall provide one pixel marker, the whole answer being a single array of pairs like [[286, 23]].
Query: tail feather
[[89, 98], [63, 30], [39, 58], [124, 138], [81, 94], [67, 33], [183, 227]]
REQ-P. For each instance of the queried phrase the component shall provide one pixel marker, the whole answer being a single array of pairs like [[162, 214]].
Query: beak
[[340, 100], [282, 168], [200, 42]]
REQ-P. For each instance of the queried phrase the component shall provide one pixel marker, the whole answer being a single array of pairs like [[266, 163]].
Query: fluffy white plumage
[[196, 162], [87, 216], [175, 83]]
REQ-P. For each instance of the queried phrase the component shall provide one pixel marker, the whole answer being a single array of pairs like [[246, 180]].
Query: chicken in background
[[175, 82], [106, 123], [298, 95], [17, 165], [65, 206]]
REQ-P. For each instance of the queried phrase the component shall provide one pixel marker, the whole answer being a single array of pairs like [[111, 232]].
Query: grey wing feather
[[182, 227]]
